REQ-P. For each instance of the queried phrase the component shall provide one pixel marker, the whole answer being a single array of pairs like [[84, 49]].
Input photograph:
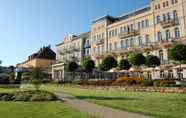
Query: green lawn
[[160, 105], [37, 109]]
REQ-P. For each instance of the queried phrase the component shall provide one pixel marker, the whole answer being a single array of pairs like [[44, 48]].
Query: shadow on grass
[[104, 98]]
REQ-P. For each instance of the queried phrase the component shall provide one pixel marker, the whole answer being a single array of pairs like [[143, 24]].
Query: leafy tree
[[124, 64], [152, 61], [72, 66], [108, 63], [87, 65], [11, 78], [178, 52], [136, 59], [37, 76]]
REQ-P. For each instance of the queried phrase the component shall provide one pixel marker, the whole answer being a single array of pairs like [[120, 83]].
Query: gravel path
[[96, 110]]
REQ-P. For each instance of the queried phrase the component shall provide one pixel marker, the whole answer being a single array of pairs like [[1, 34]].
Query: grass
[[160, 105], [37, 109]]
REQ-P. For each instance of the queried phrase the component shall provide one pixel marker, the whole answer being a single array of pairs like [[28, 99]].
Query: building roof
[[106, 17], [82, 35], [134, 13], [44, 53]]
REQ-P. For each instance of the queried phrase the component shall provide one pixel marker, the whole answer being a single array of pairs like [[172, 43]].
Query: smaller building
[[43, 59], [73, 48]]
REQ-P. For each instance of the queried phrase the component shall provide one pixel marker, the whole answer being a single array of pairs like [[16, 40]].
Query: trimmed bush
[[28, 96]]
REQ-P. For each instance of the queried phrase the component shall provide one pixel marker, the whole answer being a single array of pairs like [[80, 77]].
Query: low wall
[[139, 89]]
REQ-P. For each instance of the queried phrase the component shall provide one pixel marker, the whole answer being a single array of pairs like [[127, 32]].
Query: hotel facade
[[151, 30]]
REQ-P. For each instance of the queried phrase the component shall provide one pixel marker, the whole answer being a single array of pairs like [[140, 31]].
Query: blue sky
[[27, 25]]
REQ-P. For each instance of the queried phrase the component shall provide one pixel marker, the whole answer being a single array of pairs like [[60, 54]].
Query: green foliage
[[37, 76], [136, 59], [108, 63], [124, 64], [178, 52], [152, 61], [28, 96], [72, 66], [87, 65], [11, 78]]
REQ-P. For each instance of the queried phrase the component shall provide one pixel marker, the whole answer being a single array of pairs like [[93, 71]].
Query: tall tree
[[37, 76], [108, 63], [178, 53], [87, 65], [124, 64], [136, 59], [72, 66], [152, 61]]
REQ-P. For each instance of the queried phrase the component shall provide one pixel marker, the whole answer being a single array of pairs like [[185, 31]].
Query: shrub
[[128, 81], [27, 96], [147, 83], [6, 97]]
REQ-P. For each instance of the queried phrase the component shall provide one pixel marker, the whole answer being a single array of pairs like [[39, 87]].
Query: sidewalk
[[96, 110]]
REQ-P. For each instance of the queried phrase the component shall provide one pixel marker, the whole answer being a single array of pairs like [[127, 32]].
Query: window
[[139, 41], [143, 24], [164, 5], [115, 45], [146, 40], [121, 44], [158, 19], [175, 15], [161, 56], [159, 7], [164, 17], [177, 33], [131, 42], [159, 36], [156, 7], [174, 1], [168, 35], [168, 16], [139, 25], [146, 23], [127, 43], [121, 29], [167, 3], [110, 46]]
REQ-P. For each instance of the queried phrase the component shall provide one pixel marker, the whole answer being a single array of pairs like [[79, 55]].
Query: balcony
[[123, 35], [99, 41], [98, 56], [169, 23]]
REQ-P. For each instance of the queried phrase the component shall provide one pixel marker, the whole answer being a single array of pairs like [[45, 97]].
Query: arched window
[[177, 33]]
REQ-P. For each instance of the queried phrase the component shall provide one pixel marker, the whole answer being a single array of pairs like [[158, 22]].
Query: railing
[[169, 23], [129, 34], [99, 41]]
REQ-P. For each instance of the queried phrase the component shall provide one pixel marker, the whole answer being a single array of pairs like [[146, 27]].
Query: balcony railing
[[169, 23], [123, 35], [99, 41]]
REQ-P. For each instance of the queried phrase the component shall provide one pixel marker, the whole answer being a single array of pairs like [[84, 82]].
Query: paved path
[[96, 110]]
